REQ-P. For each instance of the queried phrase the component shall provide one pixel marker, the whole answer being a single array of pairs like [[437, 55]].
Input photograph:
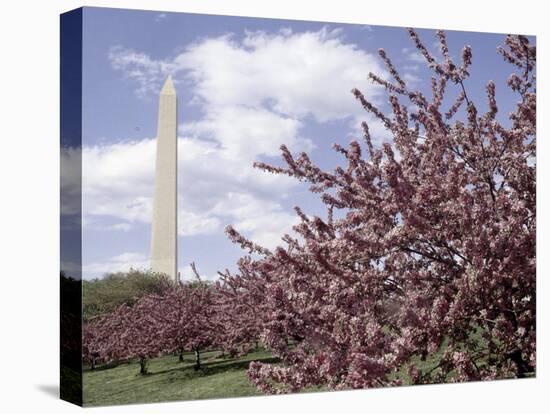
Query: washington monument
[[164, 242]]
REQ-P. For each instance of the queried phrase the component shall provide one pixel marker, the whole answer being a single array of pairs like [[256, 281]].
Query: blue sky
[[245, 86]]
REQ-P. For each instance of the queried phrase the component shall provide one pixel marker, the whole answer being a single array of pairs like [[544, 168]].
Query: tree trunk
[[93, 363], [143, 366], [197, 359], [180, 359]]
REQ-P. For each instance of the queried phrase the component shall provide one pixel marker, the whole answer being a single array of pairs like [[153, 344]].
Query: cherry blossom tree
[[134, 332], [91, 342], [180, 318], [427, 249], [189, 318], [238, 304]]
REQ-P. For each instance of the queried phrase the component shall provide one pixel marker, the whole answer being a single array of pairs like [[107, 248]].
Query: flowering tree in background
[[91, 343], [180, 318], [189, 319], [428, 248], [239, 311], [132, 332]]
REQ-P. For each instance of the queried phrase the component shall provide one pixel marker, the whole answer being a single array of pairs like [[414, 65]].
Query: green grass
[[171, 380]]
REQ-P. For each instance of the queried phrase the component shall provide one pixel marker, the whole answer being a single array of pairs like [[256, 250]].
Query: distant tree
[[182, 317], [238, 309], [188, 321], [431, 247], [103, 295], [131, 332], [91, 343]]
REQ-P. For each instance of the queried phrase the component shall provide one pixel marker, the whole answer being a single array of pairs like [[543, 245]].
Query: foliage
[[433, 243], [187, 319], [179, 318], [238, 310], [103, 295]]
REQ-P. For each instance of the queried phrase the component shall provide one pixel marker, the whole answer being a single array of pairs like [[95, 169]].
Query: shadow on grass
[[212, 368], [216, 367], [104, 367]]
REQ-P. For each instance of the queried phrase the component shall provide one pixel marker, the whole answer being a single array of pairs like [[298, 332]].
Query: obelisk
[[164, 256]]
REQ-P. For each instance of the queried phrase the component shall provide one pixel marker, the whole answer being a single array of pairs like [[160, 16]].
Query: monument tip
[[168, 88]]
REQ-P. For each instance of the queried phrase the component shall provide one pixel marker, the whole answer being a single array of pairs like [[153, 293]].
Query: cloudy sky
[[245, 86]]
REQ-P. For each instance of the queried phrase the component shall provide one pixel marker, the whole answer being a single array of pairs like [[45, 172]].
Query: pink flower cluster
[[427, 251]]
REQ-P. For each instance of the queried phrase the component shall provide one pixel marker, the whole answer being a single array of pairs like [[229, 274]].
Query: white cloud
[[120, 263], [411, 68], [140, 68], [245, 133], [160, 17], [120, 226], [413, 55], [187, 274], [263, 221], [293, 74], [411, 78], [193, 223], [93, 223], [119, 181]]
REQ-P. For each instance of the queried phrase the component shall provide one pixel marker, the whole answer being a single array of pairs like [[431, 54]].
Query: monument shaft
[[165, 224]]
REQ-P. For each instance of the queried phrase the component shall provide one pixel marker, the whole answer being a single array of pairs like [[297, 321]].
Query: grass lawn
[[171, 380]]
